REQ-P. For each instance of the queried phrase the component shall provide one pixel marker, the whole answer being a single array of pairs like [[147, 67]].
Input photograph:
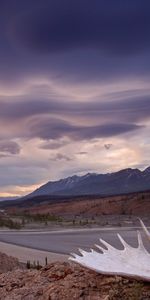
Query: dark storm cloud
[[54, 129], [25, 108], [118, 27], [80, 40], [10, 147], [35, 119], [131, 109]]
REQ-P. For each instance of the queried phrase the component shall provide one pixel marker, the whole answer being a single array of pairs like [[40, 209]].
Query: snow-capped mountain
[[124, 181]]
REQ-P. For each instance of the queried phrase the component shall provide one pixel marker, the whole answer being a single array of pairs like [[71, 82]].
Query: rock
[[65, 281], [8, 263]]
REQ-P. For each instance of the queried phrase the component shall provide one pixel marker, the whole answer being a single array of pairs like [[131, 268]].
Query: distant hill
[[121, 182], [133, 204], [8, 198]]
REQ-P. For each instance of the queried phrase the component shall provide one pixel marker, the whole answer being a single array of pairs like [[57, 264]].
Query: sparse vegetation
[[41, 218], [46, 261], [79, 211], [8, 222], [34, 265]]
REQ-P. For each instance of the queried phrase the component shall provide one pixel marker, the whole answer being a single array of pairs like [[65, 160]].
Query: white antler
[[145, 229], [131, 262]]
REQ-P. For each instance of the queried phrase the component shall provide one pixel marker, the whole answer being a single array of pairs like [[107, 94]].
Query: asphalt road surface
[[67, 241]]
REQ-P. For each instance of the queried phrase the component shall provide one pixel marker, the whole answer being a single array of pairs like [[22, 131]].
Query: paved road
[[67, 241]]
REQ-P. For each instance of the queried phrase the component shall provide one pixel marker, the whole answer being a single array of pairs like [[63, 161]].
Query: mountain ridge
[[124, 181]]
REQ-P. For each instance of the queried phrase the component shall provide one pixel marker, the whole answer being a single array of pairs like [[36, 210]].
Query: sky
[[74, 89]]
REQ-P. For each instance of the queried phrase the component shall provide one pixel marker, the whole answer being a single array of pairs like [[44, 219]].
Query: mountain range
[[121, 182]]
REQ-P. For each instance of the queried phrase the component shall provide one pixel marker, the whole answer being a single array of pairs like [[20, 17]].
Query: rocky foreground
[[8, 263], [65, 281]]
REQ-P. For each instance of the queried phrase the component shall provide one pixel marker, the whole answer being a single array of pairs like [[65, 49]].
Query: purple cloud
[[48, 128], [10, 147], [60, 157]]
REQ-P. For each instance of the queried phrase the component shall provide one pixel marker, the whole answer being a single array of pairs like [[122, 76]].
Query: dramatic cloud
[[55, 128], [117, 27], [52, 145], [74, 80], [126, 107], [9, 147]]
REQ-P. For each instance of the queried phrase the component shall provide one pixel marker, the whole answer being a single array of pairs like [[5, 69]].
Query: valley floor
[[57, 245], [24, 254]]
